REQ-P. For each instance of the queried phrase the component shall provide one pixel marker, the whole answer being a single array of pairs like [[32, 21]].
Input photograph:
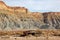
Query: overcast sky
[[36, 5]]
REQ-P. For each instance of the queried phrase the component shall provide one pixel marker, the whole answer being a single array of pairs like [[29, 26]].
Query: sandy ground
[[30, 35], [30, 38]]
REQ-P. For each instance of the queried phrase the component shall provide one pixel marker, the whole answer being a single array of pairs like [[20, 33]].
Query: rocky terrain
[[18, 23], [16, 18], [30, 35]]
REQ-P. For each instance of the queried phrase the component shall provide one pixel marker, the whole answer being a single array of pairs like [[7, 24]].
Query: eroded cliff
[[16, 18]]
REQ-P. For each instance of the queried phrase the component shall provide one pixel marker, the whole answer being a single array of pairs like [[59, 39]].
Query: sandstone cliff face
[[3, 6], [16, 18], [52, 19]]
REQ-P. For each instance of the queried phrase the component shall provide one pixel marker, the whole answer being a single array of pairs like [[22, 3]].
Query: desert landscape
[[18, 23], [42, 34]]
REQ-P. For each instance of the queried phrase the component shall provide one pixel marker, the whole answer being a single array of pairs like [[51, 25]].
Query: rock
[[16, 18]]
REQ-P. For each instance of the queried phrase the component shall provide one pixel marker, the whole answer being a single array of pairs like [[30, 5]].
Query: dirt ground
[[30, 38], [30, 35]]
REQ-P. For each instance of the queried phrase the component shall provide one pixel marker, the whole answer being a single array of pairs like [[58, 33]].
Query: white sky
[[36, 5]]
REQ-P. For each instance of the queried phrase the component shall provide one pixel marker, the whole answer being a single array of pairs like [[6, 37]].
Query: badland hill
[[16, 18]]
